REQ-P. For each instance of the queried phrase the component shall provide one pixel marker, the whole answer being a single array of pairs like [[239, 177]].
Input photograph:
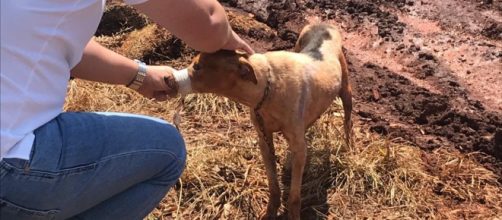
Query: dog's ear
[[246, 70]]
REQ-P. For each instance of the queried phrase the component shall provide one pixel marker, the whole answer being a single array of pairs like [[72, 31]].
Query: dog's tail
[[346, 96]]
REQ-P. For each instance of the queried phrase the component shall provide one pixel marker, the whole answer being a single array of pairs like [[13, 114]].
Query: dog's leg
[[298, 147], [268, 155]]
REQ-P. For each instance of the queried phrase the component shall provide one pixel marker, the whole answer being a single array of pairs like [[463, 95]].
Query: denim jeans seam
[[16, 171], [104, 159], [180, 168], [28, 211], [108, 158], [163, 183], [4, 169], [86, 167], [171, 154]]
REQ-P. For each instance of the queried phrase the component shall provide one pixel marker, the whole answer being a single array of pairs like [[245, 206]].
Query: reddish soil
[[426, 71]]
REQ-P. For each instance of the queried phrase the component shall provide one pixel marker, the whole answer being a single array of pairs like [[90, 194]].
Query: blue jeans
[[93, 166]]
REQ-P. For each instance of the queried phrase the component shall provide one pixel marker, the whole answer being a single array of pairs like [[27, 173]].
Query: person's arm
[[100, 64], [103, 65], [202, 24]]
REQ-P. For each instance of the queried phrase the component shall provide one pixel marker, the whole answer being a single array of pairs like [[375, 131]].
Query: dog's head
[[219, 72]]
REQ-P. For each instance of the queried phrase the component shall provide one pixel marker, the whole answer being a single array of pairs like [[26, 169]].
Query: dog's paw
[[172, 85]]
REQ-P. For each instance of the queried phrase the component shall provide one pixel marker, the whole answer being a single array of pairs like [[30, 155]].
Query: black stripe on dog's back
[[311, 41]]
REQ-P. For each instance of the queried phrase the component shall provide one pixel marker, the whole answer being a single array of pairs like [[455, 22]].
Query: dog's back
[[323, 43]]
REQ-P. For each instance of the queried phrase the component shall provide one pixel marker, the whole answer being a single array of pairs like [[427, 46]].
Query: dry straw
[[225, 179]]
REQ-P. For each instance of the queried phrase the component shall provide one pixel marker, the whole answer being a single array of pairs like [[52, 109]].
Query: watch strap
[[138, 80]]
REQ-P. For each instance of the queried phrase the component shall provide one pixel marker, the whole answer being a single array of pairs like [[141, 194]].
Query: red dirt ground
[[427, 71]]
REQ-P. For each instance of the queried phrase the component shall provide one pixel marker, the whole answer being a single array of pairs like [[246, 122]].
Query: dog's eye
[[196, 66]]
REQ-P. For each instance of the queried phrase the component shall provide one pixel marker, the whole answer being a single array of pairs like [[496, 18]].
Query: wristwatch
[[140, 76]]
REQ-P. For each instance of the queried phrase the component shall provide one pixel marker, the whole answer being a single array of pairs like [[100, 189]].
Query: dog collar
[[264, 97], [183, 80], [259, 118]]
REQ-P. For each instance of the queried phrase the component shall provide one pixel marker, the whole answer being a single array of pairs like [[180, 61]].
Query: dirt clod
[[118, 19], [494, 31]]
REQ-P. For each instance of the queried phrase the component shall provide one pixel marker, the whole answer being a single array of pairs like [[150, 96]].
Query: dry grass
[[225, 178]]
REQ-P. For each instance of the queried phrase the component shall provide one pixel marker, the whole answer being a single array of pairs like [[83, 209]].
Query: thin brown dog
[[287, 92]]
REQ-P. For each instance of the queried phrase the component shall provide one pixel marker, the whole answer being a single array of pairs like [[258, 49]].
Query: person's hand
[[236, 43], [155, 86]]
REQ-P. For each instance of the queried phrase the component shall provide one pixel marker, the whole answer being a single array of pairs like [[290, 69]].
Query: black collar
[[259, 118], [264, 97]]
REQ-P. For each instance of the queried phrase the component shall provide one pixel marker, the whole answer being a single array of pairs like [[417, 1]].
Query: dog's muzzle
[[183, 80]]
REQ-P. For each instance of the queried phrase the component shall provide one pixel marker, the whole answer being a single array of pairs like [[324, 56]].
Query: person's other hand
[[236, 43], [155, 86]]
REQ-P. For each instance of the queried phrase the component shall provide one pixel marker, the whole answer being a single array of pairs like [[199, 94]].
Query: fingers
[[163, 73], [247, 48], [155, 85], [242, 45], [236, 43]]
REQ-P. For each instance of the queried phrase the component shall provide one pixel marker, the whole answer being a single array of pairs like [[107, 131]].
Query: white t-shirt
[[41, 41]]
